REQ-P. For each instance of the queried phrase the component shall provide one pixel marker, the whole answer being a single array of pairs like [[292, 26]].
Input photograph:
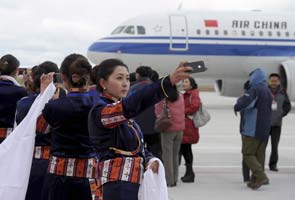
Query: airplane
[[231, 44]]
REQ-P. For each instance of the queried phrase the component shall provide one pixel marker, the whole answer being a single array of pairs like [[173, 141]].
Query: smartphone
[[198, 66], [22, 70], [57, 78]]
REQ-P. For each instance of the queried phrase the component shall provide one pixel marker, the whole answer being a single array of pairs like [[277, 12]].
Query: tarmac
[[217, 159]]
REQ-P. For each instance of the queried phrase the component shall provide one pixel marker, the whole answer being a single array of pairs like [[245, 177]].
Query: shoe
[[189, 178], [172, 185], [257, 184], [275, 169]]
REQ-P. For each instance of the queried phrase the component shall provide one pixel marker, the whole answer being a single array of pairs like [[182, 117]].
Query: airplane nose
[[99, 51], [100, 46]]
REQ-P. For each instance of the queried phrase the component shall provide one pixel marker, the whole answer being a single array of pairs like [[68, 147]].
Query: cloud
[[35, 30]]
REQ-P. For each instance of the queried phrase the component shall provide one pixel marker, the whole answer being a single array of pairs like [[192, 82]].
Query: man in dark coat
[[147, 118], [281, 106], [255, 127]]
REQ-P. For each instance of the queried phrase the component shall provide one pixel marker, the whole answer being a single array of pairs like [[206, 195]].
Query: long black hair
[[193, 83]]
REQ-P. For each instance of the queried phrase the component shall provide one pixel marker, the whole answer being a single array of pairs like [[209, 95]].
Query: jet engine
[[230, 87], [287, 73]]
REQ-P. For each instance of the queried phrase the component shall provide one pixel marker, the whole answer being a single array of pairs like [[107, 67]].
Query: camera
[[57, 78]]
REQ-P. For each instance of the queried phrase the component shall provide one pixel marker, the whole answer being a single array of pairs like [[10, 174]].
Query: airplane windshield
[[118, 30], [130, 30], [140, 30]]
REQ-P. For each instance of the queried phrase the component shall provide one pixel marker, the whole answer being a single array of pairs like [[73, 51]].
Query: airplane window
[[261, 33], [278, 33], [243, 33], [118, 30], [130, 30], [269, 33], [207, 32], [216, 32], [287, 34], [252, 33], [140, 30], [225, 32], [198, 32]]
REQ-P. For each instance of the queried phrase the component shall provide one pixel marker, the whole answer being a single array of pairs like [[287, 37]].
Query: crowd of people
[[87, 143], [97, 134]]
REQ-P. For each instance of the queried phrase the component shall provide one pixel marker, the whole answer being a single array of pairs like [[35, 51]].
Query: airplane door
[[178, 33]]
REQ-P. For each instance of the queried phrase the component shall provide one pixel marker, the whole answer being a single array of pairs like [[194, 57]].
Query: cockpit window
[[118, 30], [130, 30], [140, 30]]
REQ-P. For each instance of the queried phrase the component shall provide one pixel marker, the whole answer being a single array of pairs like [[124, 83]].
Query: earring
[[104, 88]]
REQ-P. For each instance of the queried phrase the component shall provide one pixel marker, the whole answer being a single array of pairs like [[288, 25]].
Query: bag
[[164, 121], [201, 117]]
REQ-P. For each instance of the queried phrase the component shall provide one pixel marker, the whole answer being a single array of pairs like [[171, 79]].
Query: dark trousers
[[153, 144], [120, 190], [186, 152], [275, 134], [38, 172], [65, 188], [246, 171]]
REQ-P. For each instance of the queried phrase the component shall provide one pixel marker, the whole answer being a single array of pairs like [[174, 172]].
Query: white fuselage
[[231, 43]]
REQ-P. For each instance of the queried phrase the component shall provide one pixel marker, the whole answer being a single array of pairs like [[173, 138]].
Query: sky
[[39, 30]]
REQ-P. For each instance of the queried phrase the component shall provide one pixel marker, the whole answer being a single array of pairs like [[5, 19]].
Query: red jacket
[[177, 113], [191, 103]]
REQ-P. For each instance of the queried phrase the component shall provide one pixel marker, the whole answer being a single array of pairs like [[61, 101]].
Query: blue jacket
[[22, 109], [255, 105], [9, 95], [67, 117], [146, 119]]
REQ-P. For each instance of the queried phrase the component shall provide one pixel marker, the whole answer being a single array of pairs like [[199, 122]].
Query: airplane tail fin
[[180, 6]]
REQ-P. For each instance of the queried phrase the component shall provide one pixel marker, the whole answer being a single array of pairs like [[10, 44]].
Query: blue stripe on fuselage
[[200, 38], [194, 49]]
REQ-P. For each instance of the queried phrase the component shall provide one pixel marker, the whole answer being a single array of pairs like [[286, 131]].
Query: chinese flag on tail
[[211, 23]]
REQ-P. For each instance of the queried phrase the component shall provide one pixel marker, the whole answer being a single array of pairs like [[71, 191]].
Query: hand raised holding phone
[[198, 66]]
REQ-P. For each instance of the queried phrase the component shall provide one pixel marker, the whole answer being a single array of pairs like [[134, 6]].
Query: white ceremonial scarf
[[153, 186], [10, 78], [16, 151]]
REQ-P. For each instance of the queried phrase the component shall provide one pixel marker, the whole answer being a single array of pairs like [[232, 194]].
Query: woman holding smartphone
[[118, 139]]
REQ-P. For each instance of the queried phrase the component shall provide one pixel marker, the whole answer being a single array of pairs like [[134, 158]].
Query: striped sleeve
[[112, 115], [42, 127]]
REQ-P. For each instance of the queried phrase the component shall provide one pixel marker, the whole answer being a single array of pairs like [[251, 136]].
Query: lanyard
[[130, 153]]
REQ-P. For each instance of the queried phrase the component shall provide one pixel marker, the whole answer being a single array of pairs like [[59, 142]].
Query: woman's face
[[187, 84], [118, 83]]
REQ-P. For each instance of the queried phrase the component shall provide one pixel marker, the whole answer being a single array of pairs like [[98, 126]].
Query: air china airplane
[[231, 43]]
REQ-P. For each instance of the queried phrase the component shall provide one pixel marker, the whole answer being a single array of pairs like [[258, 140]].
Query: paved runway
[[217, 160]]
